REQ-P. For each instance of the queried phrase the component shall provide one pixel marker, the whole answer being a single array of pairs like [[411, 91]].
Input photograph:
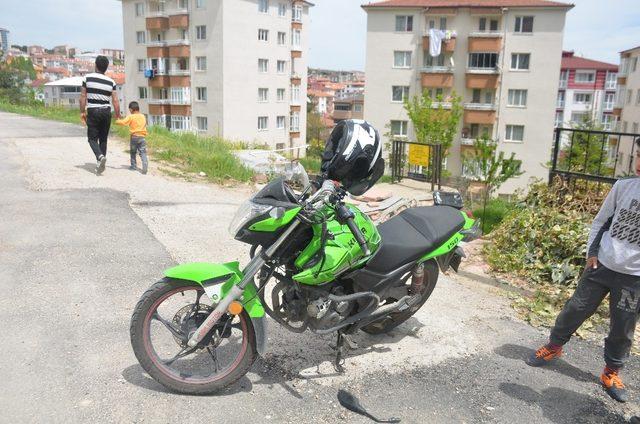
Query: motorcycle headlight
[[245, 213]]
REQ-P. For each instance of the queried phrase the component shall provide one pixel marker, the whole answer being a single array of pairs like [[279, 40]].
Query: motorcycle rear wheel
[[155, 350], [394, 319]]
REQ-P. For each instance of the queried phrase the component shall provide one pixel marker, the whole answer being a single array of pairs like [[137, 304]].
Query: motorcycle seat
[[413, 233]]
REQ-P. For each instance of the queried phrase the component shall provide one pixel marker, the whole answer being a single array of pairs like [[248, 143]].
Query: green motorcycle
[[316, 263]]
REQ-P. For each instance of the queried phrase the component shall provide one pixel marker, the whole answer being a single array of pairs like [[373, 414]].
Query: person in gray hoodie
[[613, 268]]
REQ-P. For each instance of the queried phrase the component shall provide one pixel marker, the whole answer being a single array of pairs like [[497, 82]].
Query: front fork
[[252, 268]]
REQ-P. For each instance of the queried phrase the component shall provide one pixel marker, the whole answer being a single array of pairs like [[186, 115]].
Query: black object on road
[[352, 403]]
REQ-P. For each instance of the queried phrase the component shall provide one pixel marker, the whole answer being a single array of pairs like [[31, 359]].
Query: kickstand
[[338, 364]]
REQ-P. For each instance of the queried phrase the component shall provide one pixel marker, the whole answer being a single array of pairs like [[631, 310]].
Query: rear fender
[[217, 280]]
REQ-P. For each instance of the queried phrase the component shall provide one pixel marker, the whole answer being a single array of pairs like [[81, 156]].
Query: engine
[[301, 309]]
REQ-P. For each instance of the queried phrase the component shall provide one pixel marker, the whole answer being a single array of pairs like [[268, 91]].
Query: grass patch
[[495, 212], [190, 152]]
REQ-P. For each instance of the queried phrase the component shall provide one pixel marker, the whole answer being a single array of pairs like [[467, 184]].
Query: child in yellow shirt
[[137, 124]]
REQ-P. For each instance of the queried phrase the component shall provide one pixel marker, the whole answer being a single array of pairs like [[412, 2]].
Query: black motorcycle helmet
[[353, 156]]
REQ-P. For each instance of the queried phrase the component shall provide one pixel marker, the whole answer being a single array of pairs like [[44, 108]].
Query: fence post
[[556, 151]]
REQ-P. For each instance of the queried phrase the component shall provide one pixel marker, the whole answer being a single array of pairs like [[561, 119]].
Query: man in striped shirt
[[97, 95]]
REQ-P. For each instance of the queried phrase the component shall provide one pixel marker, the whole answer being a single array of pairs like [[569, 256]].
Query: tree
[[486, 164], [13, 80], [584, 152], [433, 123]]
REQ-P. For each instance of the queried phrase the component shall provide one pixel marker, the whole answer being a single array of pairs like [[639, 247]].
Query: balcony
[[296, 79], [438, 69], [169, 109], [296, 52], [160, 23], [482, 80], [484, 43], [559, 104], [443, 105], [179, 20], [485, 117], [179, 72], [437, 80], [160, 81], [622, 80], [563, 84], [448, 46], [168, 48], [608, 106], [480, 106]]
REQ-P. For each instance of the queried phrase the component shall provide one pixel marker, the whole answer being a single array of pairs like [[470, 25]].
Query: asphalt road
[[73, 263]]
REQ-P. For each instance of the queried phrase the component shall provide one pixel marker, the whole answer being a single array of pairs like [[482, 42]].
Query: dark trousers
[[624, 296], [98, 124]]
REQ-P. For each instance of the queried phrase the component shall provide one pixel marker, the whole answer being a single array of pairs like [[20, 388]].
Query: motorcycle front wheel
[[166, 316]]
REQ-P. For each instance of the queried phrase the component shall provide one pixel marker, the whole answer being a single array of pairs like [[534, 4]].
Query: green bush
[[495, 212]]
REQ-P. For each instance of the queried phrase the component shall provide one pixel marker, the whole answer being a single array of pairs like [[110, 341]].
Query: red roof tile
[[573, 62], [467, 3]]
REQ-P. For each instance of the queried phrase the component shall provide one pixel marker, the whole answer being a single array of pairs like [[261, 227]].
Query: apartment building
[[627, 107], [114, 54], [349, 107], [4, 41], [66, 91], [502, 57], [233, 68], [587, 90]]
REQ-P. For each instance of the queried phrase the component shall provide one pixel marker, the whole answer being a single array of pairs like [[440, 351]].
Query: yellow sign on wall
[[419, 154]]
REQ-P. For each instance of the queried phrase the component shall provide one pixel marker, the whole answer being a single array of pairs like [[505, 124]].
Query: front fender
[[217, 280]]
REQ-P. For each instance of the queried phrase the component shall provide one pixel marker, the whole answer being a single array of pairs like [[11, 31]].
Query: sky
[[597, 29]]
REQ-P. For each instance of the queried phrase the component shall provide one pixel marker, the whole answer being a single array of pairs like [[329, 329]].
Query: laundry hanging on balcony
[[436, 36]]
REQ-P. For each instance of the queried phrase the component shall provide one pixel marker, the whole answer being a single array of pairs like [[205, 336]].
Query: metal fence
[[581, 155], [416, 161]]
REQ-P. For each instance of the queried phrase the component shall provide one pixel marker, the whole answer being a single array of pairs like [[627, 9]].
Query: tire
[[391, 321], [143, 349]]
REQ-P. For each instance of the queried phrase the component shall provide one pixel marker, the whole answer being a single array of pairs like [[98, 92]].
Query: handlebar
[[346, 215]]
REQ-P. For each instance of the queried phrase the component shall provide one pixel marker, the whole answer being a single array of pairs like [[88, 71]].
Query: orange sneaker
[[544, 355], [613, 385]]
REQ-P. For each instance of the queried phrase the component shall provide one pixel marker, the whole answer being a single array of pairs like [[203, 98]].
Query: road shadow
[[563, 406], [89, 167], [137, 376], [517, 352]]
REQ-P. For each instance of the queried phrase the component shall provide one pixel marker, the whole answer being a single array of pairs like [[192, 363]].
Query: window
[[263, 95], [399, 93], [201, 94], [629, 95], [201, 63], [201, 32], [295, 37], [609, 100], [280, 94], [295, 93], [200, 4], [401, 59], [280, 120], [142, 64], [399, 128], [582, 98], [357, 107], [404, 23], [179, 95], [434, 93], [493, 24], [634, 128], [517, 98], [282, 9], [607, 122], [139, 9], [520, 61], [282, 65], [282, 38], [263, 34], [296, 12], [579, 117], [483, 60], [477, 96], [142, 92], [202, 123], [263, 123], [294, 122], [180, 123], [634, 64], [431, 24], [184, 34], [263, 65], [524, 24], [560, 100], [477, 130], [263, 6], [183, 4], [430, 61], [342, 106], [559, 119], [141, 37], [624, 126], [515, 133], [583, 77], [611, 81], [638, 96], [564, 75]]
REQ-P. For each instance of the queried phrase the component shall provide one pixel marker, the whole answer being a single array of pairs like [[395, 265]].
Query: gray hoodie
[[615, 233]]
